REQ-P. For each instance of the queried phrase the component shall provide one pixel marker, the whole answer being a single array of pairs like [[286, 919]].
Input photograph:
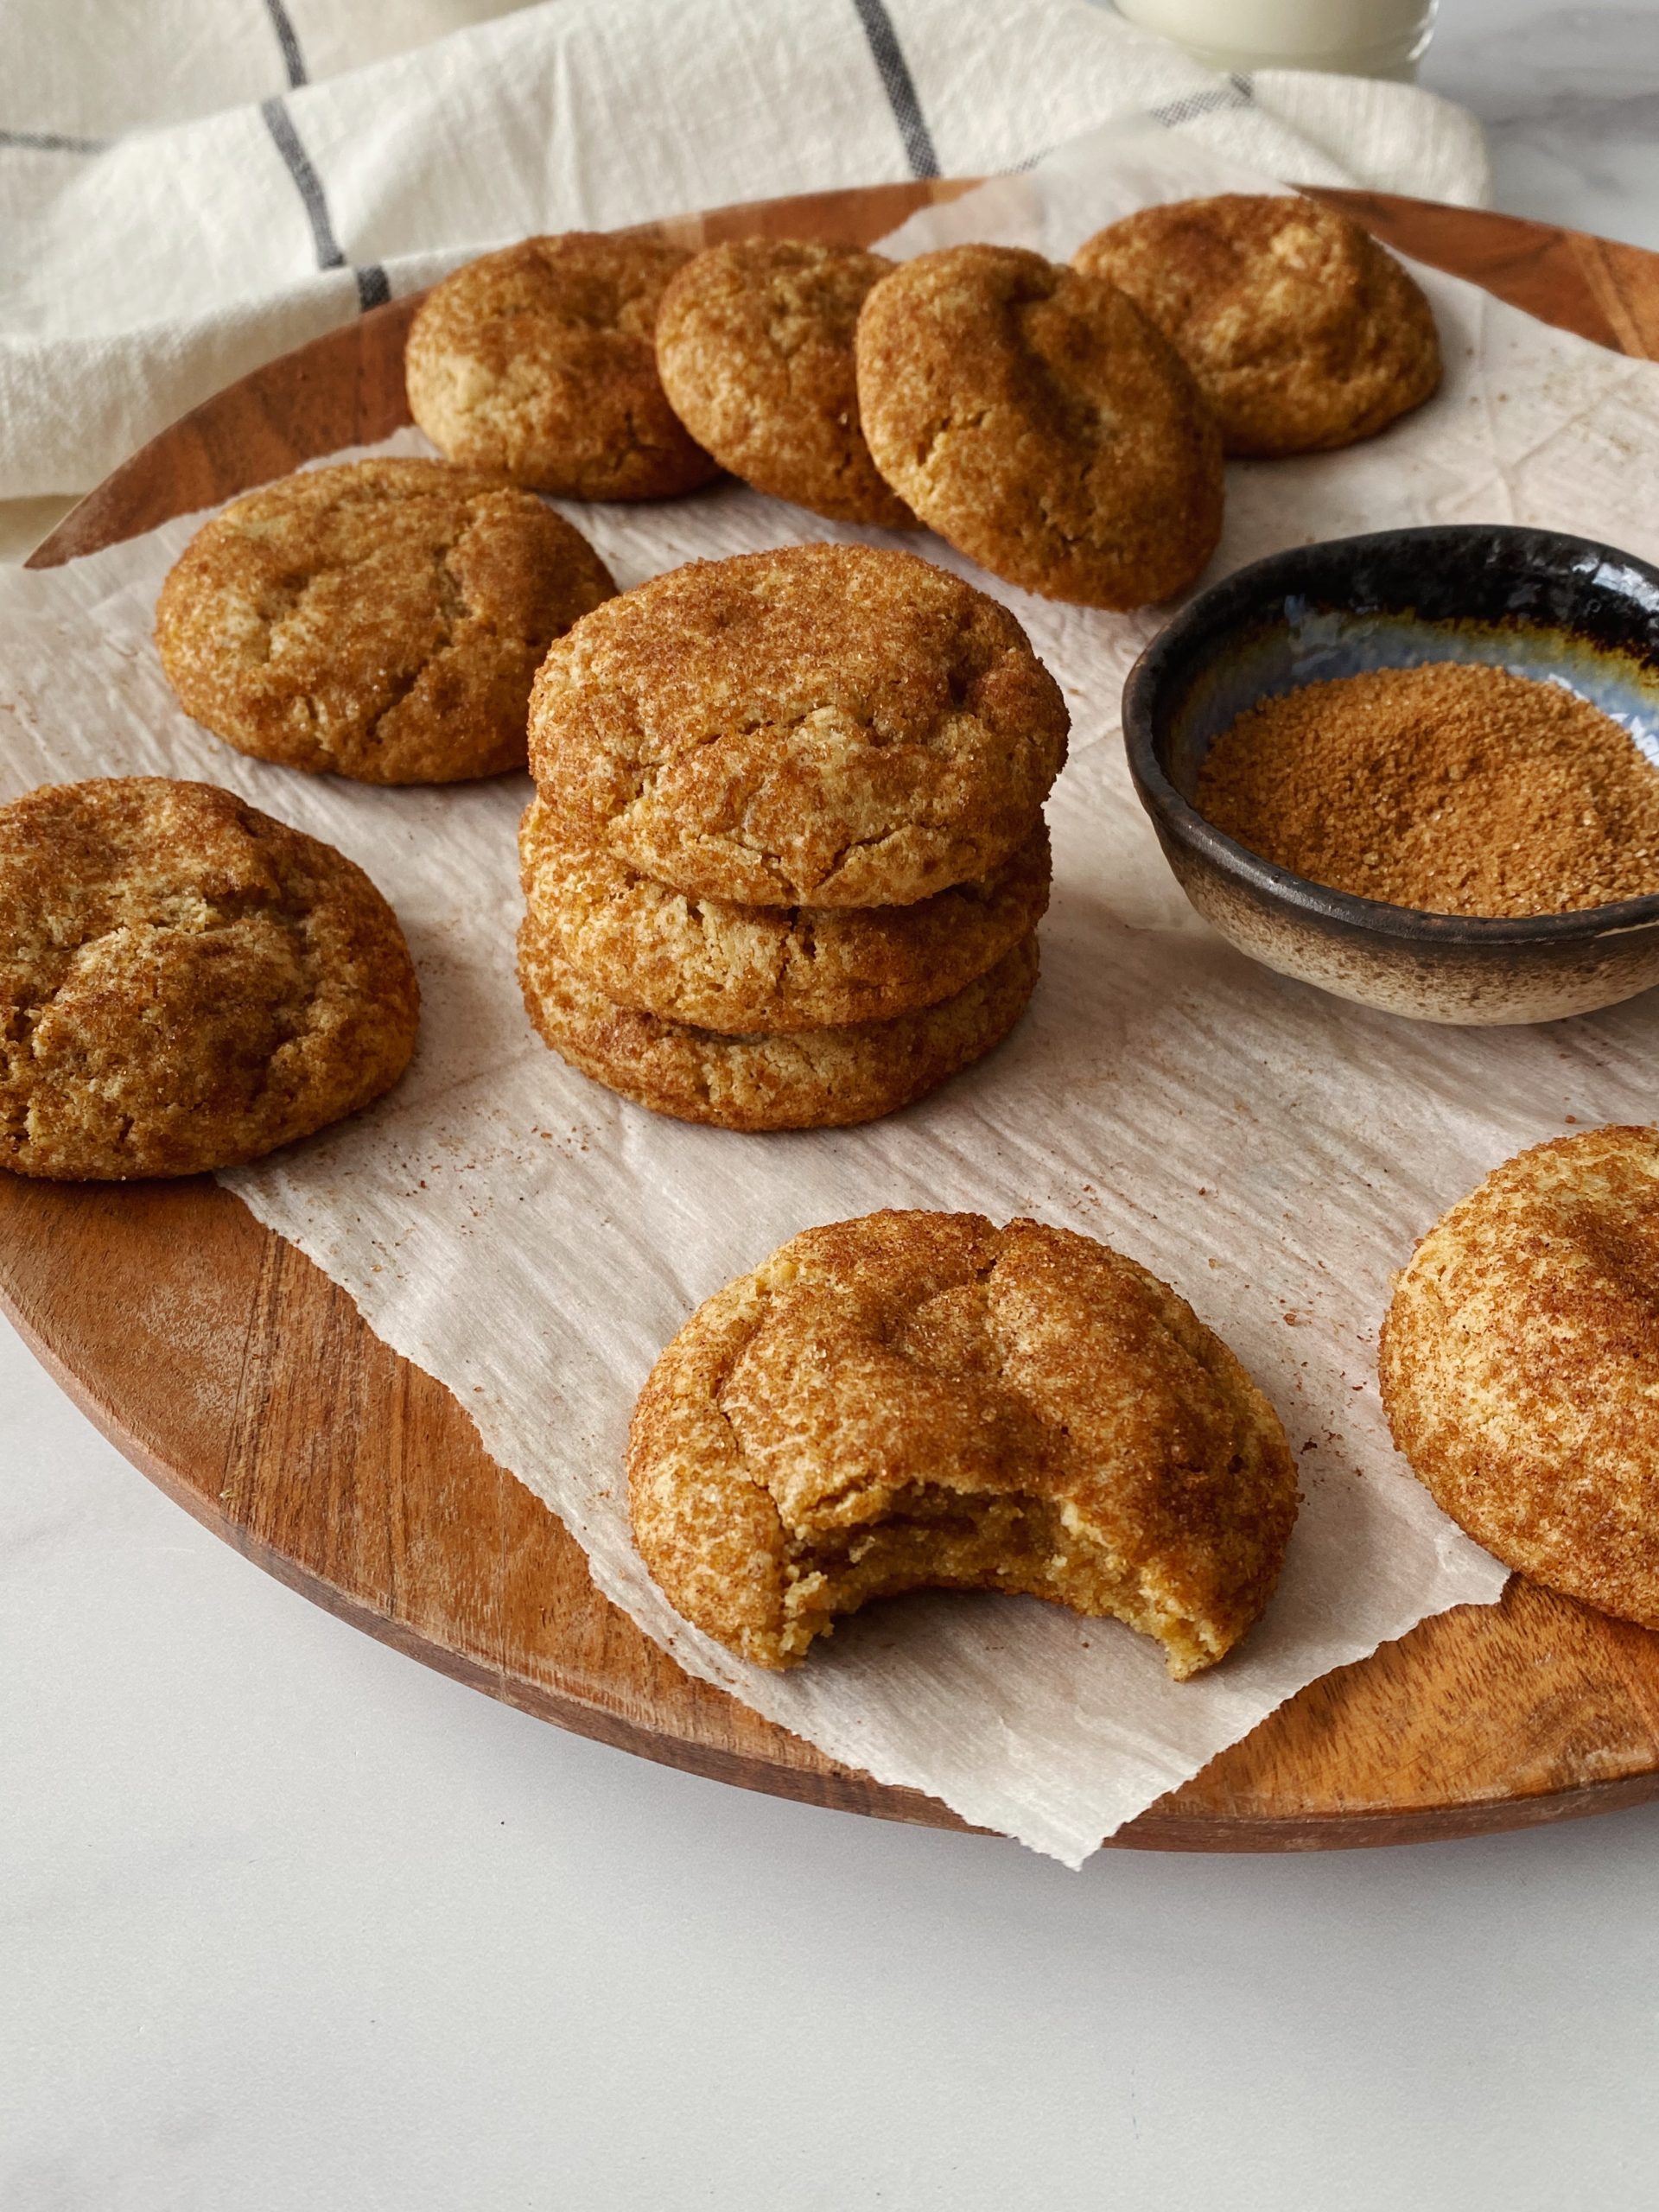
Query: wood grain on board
[[240, 1379]]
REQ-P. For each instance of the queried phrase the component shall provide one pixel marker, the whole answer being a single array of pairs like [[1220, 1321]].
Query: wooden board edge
[[1161, 1828], [118, 509], [1454, 1821], [1542, 267], [1580, 274], [836, 1787]]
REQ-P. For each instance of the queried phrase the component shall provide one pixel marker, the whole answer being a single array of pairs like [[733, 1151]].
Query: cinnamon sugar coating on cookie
[[1520, 1366], [754, 345], [185, 983], [382, 619], [822, 1078], [825, 725], [1033, 417], [1303, 333], [753, 968], [540, 361], [916, 1400]]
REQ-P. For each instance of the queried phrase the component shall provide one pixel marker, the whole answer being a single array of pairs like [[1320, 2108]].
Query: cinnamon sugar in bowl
[[1531, 934]]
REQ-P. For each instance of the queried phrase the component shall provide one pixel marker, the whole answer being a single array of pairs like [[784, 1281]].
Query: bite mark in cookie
[[918, 1400]]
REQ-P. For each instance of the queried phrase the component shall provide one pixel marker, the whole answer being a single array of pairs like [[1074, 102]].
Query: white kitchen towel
[[140, 273]]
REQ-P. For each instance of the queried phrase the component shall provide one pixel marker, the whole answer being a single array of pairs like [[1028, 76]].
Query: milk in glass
[[1360, 38]]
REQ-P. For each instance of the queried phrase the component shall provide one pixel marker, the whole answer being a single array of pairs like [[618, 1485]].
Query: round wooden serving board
[[237, 1376]]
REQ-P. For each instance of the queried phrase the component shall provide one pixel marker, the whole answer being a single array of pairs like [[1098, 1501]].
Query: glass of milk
[[1358, 38]]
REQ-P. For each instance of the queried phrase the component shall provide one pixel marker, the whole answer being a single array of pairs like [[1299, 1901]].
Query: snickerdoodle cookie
[[806, 1079], [918, 1400], [750, 969], [184, 983], [754, 345], [382, 619], [1034, 416], [824, 725], [540, 361], [1302, 332], [1520, 1366]]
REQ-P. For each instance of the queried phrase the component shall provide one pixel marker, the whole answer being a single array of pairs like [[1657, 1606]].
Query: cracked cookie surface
[[916, 1400], [185, 983], [540, 361], [754, 347], [1303, 333], [381, 620], [1034, 418], [824, 725], [721, 966], [1520, 1366], [807, 1079]]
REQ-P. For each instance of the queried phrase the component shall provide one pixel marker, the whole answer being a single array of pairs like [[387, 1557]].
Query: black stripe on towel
[[899, 87], [293, 59], [372, 289], [307, 183], [1236, 93], [51, 141]]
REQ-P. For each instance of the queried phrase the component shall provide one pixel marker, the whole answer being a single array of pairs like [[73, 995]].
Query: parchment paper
[[533, 1241]]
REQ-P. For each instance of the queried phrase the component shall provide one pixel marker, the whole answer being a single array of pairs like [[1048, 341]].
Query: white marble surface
[[1570, 100], [287, 1921]]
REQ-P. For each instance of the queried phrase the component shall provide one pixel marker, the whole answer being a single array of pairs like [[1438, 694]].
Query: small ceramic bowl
[[1535, 602]]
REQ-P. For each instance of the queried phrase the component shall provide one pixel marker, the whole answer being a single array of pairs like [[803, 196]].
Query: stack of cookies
[[786, 857]]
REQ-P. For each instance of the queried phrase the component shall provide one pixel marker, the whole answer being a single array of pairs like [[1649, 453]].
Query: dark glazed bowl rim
[[1228, 605]]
